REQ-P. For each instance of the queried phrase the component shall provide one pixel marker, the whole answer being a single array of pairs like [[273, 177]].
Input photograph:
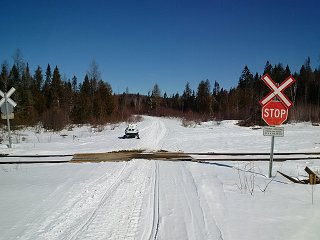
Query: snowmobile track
[[115, 207], [108, 192], [156, 208]]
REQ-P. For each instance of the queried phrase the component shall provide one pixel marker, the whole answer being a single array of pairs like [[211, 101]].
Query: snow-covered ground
[[143, 199]]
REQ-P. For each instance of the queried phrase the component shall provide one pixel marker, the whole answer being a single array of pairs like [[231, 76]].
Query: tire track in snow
[[153, 135], [103, 200], [213, 231], [156, 208], [182, 212], [117, 216], [64, 223], [69, 209]]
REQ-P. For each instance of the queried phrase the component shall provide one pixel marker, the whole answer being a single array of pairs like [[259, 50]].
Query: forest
[[44, 97]]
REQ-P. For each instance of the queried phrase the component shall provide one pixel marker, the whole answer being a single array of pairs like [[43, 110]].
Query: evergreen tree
[[48, 75], [25, 99], [165, 100], [278, 74], [268, 68], [26, 79], [66, 99], [39, 99], [155, 97], [82, 111], [4, 77], [215, 98], [245, 78], [74, 84], [47, 91], [287, 72], [187, 100], [245, 94], [38, 79], [203, 99], [56, 88], [104, 104], [14, 78], [216, 88], [176, 102]]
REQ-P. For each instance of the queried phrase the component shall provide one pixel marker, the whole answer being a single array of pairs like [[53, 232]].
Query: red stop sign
[[274, 113]]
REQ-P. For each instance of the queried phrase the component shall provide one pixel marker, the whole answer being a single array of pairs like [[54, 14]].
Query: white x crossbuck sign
[[277, 91], [7, 98]]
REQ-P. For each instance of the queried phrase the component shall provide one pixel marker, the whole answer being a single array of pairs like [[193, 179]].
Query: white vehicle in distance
[[131, 131]]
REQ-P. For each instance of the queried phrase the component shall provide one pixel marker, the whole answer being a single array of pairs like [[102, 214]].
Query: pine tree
[[47, 91], [56, 88], [4, 77], [244, 94], [25, 99], [245, 78], [287, 72], [39, 99], [203, 99], [48, 75], [216, 88], [74, 84], [82, 111], [215, 97], [104, 103], [268, 68], [156, 97], [15, 77], [66, 99], [38, 79], [187, 98], [278, 74]]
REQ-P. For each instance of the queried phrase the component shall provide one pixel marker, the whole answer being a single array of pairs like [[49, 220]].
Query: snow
[[148, 199]]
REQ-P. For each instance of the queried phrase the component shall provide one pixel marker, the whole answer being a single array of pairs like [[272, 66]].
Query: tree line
[[48, 98], [241, 102]]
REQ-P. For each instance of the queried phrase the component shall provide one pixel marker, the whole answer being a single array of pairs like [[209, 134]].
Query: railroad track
[[246, 156], [193, 156], [161, 155]]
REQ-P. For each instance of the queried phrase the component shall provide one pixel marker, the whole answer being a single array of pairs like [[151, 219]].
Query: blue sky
[[169, 42]]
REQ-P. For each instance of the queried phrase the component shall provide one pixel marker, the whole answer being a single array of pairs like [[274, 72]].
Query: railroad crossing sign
[[4, 110], [274, 113], [277, 91], [7, 110], [6, 97]]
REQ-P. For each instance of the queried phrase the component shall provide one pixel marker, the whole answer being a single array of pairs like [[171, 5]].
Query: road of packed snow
[[143, 199]]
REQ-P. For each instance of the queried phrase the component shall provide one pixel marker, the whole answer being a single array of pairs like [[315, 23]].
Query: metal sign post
[[273, 132], [275, 112], [271, 157], [8, 121], [7, 100]]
